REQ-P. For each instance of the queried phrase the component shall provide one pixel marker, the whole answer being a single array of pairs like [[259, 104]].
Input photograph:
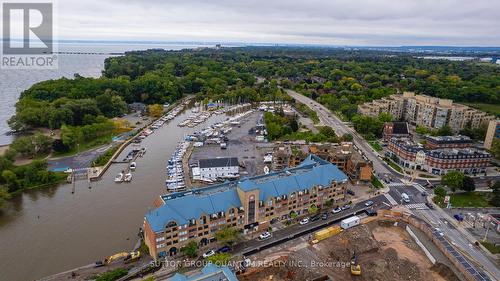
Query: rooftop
[[449, 139], [181, 207], [209, 273], [218, 162]]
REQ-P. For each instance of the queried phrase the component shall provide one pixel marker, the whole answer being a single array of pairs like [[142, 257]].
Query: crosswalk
[[390, 198], [416, 206], [396, 184]]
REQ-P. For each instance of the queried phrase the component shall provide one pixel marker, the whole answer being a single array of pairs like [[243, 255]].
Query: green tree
[[10, 179], [4, 195], [440, 191], [444, 131], [312, 209], [495, 199], [468, 184], [227, 235], [190, 250], [155, 110], [453, 179], [495, 148]]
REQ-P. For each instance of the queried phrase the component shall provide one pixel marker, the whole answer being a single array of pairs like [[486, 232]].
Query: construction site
[[378, 249]]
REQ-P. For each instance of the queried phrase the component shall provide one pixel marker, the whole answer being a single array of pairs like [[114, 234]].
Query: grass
[[490, 108], [491, 247], [469, 199], [393, 165], [375, 145], [84, 146], [376, 183], [426, 176], [104, 158]]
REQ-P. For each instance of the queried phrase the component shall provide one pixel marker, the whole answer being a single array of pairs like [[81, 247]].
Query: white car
[[304, 221], [264, 235], [208, 254], [337, 210]]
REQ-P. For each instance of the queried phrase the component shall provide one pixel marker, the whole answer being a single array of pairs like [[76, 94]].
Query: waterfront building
[[249, 205], [492, 133], [215, 168], [427, 111], [438, 161], [210, 272]]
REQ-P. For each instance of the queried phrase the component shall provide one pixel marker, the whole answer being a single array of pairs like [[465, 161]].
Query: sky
[[332, 22]]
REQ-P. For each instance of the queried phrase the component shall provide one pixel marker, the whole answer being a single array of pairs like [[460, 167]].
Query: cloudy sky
[[336, 22]]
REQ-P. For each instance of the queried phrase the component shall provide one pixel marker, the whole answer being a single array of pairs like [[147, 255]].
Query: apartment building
[[492, 133], [248, 205], [438, 161], [459, 141], [345, 156], [430, 112]]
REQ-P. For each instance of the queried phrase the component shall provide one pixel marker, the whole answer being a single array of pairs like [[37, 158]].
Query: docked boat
[[133, 166], [119, 177], [127, 177]]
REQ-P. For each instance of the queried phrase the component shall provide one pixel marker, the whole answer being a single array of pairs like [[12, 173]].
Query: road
[[458, 238]]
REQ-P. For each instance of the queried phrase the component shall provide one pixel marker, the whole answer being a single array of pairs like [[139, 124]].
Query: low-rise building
[[215, 168], [438, 161], [492, 133], [435, 142], [248, 205], [395, 130], [210, 272], [345, 156]]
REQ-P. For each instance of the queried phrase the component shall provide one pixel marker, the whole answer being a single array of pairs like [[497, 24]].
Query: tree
[[422, 130], [347, 137], [10, 179], [312, 209], [495, 148], [440, 191], [191, 249], [495, 199], [4, 195], [227, 235], [444, 131], [453, 179], [220, 259], [155, 110], [468, 184]]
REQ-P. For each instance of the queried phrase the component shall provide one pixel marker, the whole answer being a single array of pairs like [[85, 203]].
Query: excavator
[[128, 257], [355, 267]]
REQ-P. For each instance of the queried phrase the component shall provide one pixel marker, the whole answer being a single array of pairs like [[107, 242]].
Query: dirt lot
[[385, 253]]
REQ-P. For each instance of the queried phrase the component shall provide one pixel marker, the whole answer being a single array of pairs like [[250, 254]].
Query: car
[[315, 217], [371, 213], [439, 232], [350, 192], [429, 205], [304, 221], [99, 264], [423, 193], [368, 203], [337, 210], [208, 254], [346, 207], [324, 216], [224, 249], [265, 235]]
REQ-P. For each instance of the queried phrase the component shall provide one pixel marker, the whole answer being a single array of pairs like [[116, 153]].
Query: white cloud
[[340, 22]]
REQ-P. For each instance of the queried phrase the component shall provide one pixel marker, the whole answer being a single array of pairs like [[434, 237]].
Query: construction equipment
[[132, 256], [327, 232], [127, 257], [355, 267]]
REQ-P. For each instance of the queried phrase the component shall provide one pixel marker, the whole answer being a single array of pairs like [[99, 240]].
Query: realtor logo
[[27, 35]]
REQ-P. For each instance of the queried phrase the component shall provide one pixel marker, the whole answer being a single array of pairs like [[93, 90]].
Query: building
[[438, 161], [218, 168], [210, 272], [430, 112], [345, 156], [249, 205], [492, 133], [432, 142], [395, 130]]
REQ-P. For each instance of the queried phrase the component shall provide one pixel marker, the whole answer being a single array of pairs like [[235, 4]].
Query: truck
[[349, 222]]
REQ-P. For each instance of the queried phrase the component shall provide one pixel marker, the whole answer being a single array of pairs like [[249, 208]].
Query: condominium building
[[492, 133], [345, 156], [459, 141], [430, 112], [438, 161], [248, 205]]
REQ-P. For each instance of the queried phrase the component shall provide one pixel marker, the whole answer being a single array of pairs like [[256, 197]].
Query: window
[[159, 239]]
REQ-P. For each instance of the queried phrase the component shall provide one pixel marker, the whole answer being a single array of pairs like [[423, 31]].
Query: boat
[[128, 177], [119, 177], [133, 165]]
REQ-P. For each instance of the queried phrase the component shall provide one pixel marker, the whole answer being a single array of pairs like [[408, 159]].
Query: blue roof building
[[249, 204], [210, 272]]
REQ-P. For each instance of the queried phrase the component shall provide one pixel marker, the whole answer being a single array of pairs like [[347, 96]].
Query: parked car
[[324, 216], [265, 235], [224, 249], [315, 217], [345, 207], [304, 221], [368, 203], [423, 193], [208, 254], [99, 264], [350, 192], [337, 210], [371, 212], [458, 217], [429, 205]]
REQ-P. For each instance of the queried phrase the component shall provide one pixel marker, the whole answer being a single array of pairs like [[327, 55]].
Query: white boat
[[128, 177], [133, 165], [119, 177]]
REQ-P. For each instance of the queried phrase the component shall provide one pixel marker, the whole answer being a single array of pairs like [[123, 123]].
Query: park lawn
[[491, 247], [85, 146], [375, 145], [393, 165], [490, 108], [376, 183], [469, 199]]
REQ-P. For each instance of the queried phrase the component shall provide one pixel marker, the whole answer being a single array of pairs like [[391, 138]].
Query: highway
[[438, 217]]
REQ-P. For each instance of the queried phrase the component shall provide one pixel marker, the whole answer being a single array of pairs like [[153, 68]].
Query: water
[[53, 230], [13, 82]]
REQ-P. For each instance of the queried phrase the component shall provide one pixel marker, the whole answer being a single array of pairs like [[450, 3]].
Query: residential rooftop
[[210, 272], [218, 162], [450, 139]]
